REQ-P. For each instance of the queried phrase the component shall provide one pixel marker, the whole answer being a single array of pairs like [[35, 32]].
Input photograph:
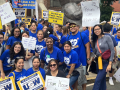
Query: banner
[[6, 13], [115, 18], [0, 24], [20, 12], [56, 83], [56, 17], [29, 43], [45, 14], [91, 13], [32, 82], [8, 84], [28, 4], [26, 20]]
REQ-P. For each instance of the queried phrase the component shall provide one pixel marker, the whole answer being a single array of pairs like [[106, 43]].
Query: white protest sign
[[91, 13], [29, 43], [118, 49], [32, 82], [20, 12], [45, 14], [6, 13], [56, 83], [7, 84], [117, 75]]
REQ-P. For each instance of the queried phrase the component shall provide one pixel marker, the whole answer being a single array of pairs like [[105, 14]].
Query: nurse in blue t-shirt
[[51, 52], [33, 32], [7, 58], [36, 67], [18, 72], [72, 62], [40, 44], [15, 36], [20, 5]]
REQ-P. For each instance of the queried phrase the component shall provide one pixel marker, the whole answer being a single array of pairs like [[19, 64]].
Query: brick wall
[[116, 6]]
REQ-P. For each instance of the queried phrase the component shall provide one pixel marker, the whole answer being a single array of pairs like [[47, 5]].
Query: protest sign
[[118, 49], [8, 84], [32, 82], [56, 17], [20, 12], [26, 20], [29, 43], [28, 4], [0, 24], [91, 13], [6, 13], [117, 75], [45, 14], [56, 83], [115, 18]]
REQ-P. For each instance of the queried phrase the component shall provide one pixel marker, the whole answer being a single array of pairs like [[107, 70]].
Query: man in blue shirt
[[107, 29], [40, 24], [80, 43]]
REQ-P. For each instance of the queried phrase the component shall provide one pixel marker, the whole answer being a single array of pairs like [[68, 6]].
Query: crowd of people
[[61, 51]]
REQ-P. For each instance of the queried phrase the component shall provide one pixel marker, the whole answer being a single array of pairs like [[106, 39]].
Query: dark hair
[[40, 20], [54, 61], [59, 25], [49, 38], [12, 33], [94, 36], [34, 22], [107, 27], [16, 60], [25, 32], [39, 31], [12, 53], [34, 16], [48, 32], [67, 22], [118, 30], [36, 58], [65, 30], [67, 42], [1, 33]]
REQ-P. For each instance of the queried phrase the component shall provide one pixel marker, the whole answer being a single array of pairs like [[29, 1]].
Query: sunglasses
[[72, 26], [53, 65]]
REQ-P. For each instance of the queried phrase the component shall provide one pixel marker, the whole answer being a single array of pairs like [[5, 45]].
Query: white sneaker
[[111, 82]]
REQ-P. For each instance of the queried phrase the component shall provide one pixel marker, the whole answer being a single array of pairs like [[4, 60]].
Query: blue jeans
[[100, 82], [73, 79]]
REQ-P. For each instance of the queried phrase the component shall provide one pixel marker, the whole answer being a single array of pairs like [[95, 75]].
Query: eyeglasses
[[96, 29], [1, 37], [53, 65], [17, 31], [72, 26]]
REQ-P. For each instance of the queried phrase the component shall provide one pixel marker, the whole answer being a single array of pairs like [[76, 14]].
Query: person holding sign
[[36, 67], [7, 58], [102, 46], [18, 72], [53, 70], [50, 52], [73, 64], [40, 44], [15, 36]]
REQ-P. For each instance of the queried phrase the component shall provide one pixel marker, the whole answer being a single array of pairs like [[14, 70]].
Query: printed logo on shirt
[[74, 43], [66, 60], [22, 77], [48, 58], [39, 48], [59, 37], [10, 62]]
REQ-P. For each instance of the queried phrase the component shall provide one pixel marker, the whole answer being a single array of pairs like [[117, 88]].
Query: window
[[55, 3]]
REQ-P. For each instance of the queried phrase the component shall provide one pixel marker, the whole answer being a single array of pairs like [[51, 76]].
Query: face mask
[[22, 30]]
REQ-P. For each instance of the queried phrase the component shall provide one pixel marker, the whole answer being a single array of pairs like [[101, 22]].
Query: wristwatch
[[88, 59]]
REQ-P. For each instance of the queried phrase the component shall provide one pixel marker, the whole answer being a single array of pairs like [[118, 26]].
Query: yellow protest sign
[[26, 20], [8, 84], [0, 24], [32, 82], [56, 17]]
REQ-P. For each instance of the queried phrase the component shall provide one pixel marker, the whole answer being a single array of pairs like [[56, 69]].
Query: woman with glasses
[[18, 72], [102, 43], [8, 57], [15, 36], [53, 70], [36, 67]]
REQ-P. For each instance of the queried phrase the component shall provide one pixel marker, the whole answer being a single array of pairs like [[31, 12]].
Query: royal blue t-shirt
[[19, 4], [71, 58], [39, 46], [16, 22], [31, 71], [86, 32], [33, 35], [11, 40], [34, 19], [79, 46], [53, 37], [26, 29], [113, 39], [39, 27], [5, 58], [18, 76], [59, 34], [56, 54], [114, 31], [117, 40]]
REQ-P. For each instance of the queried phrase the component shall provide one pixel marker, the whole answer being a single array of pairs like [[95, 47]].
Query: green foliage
[[106, 9]]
